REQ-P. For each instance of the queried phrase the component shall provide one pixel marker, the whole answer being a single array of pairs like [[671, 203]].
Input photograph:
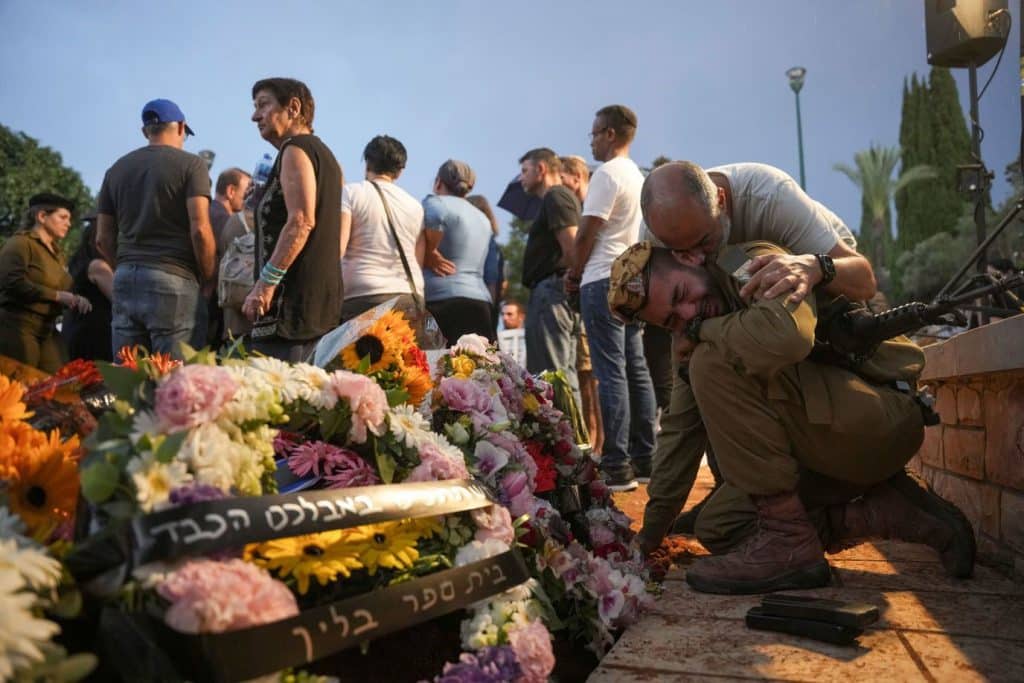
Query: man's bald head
[[682, 207]]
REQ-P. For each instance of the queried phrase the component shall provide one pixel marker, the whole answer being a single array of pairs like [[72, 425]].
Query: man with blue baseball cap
[[164, 111], [153, 224]]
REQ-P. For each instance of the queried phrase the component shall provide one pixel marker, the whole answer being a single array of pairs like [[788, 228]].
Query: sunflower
[[11, 406], [379, 343], [398, 327], [323, 556], [389, 544], [43, 488], [417, 384]]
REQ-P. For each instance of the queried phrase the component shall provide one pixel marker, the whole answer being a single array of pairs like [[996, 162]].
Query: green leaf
[[385, 465], [120, 509], [122, 381], [76, 667], [397, 396], [364, 365], [170, 446], [99, 481], [68, 605]]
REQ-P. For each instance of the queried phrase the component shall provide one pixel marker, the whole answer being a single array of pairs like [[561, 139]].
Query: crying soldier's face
[[678, 294]]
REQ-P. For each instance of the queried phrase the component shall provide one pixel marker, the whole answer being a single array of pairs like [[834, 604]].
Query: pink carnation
[[192, 395], [436, 465], [465, 395], [366, 399], [532, 644], [493, 522], [212, 597]]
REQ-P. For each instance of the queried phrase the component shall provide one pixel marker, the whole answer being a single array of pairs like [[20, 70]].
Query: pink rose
[[366, 399], [207, 596], [493, 522], [532, 645], [192, 395]]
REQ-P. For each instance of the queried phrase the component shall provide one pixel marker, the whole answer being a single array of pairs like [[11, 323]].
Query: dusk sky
[[485, 81]]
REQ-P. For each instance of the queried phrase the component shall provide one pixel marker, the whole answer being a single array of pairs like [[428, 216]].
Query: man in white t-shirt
[[373, 212], [610, 224]]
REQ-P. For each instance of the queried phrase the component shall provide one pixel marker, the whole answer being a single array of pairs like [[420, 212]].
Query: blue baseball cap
[[163, 111]]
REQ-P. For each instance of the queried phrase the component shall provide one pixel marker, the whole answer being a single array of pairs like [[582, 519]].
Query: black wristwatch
[[828, 268]]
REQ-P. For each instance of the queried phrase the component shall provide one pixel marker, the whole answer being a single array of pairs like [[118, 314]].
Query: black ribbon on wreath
[[211, 526]]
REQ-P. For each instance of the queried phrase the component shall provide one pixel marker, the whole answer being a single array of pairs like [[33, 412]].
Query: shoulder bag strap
[[401, 251]]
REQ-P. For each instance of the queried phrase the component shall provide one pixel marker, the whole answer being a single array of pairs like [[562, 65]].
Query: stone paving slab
[[932, 628], [725, 647]]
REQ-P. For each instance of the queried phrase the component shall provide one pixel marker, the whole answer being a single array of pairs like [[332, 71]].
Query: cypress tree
[[951, 144], [909, 147], [932, 131]]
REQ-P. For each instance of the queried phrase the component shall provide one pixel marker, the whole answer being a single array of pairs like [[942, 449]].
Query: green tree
[[513, 249], [933, 132], [26, 168], [929, 264], [872, 173]]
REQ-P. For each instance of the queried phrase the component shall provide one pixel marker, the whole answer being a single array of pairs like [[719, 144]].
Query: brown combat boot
[[904, 508], [784, 553]]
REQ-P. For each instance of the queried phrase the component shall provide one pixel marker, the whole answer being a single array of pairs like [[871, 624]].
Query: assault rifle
[[854, 332]]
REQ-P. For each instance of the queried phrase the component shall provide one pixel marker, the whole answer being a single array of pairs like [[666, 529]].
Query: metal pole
[[800, 142], [979, 206]]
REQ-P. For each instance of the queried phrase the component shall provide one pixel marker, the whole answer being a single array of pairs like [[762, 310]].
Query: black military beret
[[51, 199]]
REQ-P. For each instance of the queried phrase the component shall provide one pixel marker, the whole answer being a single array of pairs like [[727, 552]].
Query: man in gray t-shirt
[[697, 214], [153, 222]]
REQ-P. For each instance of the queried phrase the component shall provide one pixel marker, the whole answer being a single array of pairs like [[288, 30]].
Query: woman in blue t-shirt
[[458, 237]]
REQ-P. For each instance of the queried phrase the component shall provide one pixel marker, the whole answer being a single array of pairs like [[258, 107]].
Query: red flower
[[414, 355], [77, 375], [547, 475]]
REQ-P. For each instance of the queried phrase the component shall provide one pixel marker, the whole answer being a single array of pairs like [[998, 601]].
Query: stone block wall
[[975, 457]]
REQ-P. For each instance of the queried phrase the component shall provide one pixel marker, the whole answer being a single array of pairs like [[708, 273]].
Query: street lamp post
[[796, 81]]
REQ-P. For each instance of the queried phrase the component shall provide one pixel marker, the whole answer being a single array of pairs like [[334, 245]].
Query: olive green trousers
[[769, 438]]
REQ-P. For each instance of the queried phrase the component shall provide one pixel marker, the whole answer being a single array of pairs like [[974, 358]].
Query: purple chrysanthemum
[[195, 493], [496, 664]]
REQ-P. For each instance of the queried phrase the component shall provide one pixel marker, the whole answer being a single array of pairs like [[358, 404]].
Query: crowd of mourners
[[692, 292], [164, 261]]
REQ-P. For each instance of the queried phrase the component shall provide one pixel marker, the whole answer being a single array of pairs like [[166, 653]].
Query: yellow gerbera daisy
[[389, 544], [42, 479], [11, 406], [323, 556], [417, 384]]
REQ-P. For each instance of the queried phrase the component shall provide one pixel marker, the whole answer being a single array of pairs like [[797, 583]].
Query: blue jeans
[[624, 385], [153, 308], [551, 331]]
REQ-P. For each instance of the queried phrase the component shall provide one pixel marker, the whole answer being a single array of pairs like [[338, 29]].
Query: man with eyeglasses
[[153, 222], [812, 447], [697, 213], [610, 224]]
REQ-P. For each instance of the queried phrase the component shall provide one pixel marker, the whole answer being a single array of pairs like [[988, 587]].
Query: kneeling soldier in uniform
[[812, 450]]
